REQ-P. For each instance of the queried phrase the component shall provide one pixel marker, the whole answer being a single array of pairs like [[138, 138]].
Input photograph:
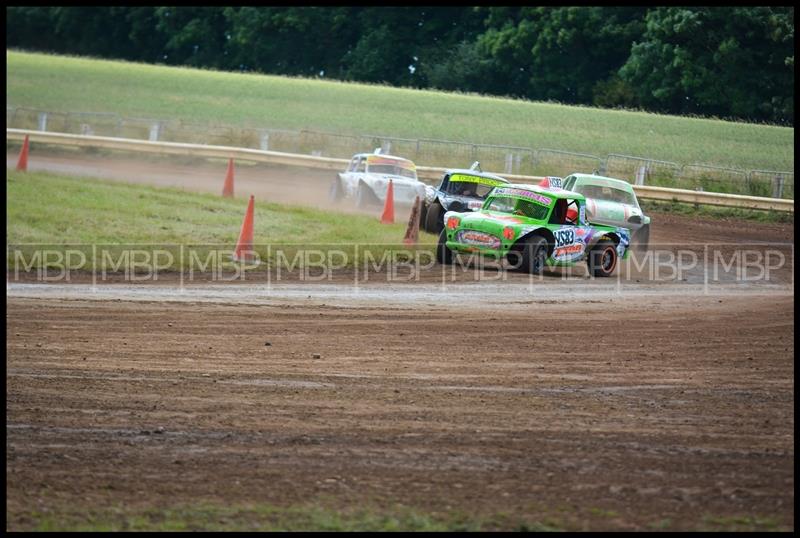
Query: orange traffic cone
[[412, 231], [227, 190], [22, 163], [388, 207], [244, 246]]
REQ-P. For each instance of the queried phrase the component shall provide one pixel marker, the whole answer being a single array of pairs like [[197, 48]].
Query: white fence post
[[154, 131], [777, 186], [641, 172], [265, 142], [42, 121], [509, 163]]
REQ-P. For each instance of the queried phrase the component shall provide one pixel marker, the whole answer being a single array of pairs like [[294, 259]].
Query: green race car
[[532, 226]]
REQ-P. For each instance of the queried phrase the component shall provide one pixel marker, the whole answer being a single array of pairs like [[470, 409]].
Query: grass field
[[68, 84], [54, 210]]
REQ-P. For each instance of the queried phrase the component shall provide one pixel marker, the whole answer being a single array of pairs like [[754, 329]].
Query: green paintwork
[[484, 231]]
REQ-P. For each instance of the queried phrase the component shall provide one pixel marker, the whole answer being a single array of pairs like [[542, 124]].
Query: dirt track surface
[[661, 410], [655, 404], [269, 183]]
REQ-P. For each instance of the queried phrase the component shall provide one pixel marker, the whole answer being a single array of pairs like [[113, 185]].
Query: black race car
[[460, 190]]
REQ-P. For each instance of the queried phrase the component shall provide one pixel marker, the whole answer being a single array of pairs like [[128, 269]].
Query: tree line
[[728, 62]]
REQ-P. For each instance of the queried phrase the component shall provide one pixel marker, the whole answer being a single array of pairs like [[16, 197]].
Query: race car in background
[[528, 225], [367, 177], [611, 202], [459, 190]]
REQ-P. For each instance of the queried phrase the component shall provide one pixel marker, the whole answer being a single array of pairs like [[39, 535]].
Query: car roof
[[383, 155], [468, 172], [552, 193], [604, 181]]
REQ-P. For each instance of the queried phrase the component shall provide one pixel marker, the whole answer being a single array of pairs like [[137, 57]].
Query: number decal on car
[[564, 237]]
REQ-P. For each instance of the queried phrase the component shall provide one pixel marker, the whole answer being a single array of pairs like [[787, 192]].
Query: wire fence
[[423, 151]]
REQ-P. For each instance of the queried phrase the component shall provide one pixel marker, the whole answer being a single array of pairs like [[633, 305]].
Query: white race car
[[367, 180], [612, 202]]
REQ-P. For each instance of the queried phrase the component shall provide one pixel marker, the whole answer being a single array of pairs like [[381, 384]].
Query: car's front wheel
[[534, 255], [433, 219]]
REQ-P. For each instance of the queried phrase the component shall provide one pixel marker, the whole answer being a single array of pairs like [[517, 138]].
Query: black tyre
[[641, 239], [336, 192], [602, 258], [534, 255], [433, 219], [443, 254]]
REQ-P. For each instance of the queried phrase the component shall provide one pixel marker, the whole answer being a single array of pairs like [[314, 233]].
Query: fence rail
[[328, 163], [430, 152]]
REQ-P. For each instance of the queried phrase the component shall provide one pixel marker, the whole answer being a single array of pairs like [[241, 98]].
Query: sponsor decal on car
[[551, 182], [475, 205], [555, 182], [522, 193], [475, 179], [572, 249], [472, 237]]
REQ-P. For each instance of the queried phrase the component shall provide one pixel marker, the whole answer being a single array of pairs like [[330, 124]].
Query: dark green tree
[[31, 27], [196, 36], [291, 40], [566, 54], [724, 61]]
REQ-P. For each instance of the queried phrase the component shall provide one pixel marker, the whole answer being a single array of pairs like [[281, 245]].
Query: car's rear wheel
[[433, 219], [443, 254], [602, 258], [534, 255]]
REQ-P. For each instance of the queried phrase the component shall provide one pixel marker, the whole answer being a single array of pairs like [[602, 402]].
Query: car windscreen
[[608, 194], [472, 185], [391, 170], [378, 164], [518, 206], [468, 188]]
